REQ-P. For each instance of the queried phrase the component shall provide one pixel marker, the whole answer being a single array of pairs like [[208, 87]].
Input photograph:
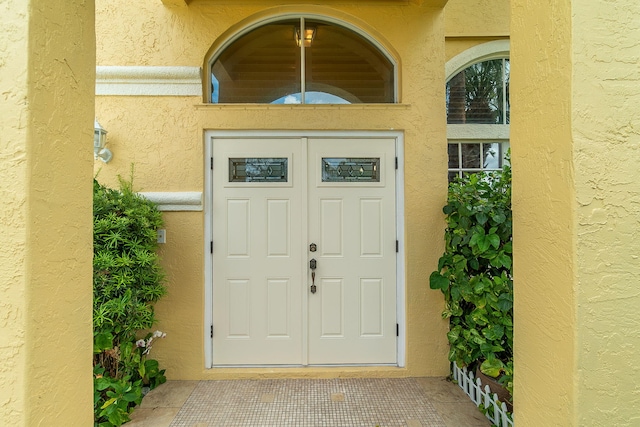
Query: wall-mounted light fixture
[[309, 35], [99, 142]]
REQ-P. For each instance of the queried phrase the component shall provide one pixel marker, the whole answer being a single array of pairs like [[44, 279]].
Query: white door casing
[[263, 310]]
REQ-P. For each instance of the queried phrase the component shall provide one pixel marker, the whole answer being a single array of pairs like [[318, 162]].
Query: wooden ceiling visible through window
[[264, 65]]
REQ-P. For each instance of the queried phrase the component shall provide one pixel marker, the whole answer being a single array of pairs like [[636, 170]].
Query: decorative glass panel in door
[[262, 169], [350, 169]]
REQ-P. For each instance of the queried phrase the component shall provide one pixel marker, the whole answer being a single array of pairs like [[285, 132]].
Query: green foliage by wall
[[475, 273], [127, 281]]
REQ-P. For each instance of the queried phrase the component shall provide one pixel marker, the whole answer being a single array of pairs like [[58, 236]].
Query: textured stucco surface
[[47, 69], [163, 136], [13, 222], [455, 46], [472, 22], [606, 133], [544, 214], [477, 18], [575, 138]]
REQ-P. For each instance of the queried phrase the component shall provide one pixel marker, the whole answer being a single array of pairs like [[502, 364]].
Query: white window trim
[[477, 131], [496, 49]]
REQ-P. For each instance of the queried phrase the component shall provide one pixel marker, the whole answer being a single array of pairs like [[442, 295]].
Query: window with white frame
[[302, 60], [477, 99]]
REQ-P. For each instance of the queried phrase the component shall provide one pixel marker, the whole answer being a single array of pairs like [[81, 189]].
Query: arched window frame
[[471, 133], [237, 32]]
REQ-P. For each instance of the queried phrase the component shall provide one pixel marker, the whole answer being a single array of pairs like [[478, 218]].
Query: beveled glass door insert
[[362, 169], [258, 169]]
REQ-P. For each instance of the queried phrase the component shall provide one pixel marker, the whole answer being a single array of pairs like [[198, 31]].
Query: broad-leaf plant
[[475, 273]]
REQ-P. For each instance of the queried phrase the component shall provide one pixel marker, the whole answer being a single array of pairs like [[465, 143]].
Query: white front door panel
[[272, 198], [352, 315], [258, 256]]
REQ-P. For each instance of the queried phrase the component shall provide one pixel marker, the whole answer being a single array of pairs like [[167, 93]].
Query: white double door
[[279, 204]]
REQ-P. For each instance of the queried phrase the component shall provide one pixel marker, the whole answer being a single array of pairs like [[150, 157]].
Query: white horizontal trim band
[[175, 201], [148, 81], [478, 131]]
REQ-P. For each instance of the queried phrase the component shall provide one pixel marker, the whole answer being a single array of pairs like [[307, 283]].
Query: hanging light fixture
[[99, 142], [309, 35]]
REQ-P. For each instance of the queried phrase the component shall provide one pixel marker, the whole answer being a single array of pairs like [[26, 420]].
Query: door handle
[[312, 265]]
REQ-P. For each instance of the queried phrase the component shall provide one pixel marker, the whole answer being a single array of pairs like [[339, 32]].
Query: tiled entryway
[[412, 402]]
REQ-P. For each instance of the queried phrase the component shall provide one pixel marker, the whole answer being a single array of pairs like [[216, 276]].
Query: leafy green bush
[[475, 273], [127, 281]]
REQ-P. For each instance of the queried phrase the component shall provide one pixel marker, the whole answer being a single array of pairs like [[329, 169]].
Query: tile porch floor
[[411, 402]]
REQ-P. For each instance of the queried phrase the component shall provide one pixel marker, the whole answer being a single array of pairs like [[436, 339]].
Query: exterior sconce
[[309, 35], [99, 142]]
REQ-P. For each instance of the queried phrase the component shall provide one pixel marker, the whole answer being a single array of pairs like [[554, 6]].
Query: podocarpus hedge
[[475, 273], [127, 281]]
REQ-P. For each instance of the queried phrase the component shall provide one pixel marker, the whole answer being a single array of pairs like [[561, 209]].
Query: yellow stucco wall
[[469, 23], [46, 79], [575, 136], [455, 46], [477, 18], [544, 209], [606, 135], [13, 222], [163, 136]]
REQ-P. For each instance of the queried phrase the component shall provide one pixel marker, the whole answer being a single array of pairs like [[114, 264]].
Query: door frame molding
[[210, 135]]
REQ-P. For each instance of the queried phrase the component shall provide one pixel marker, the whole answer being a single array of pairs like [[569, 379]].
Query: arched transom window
[[478, 117], [302, 60]]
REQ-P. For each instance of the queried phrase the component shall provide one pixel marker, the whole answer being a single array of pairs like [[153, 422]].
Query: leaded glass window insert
[[361, 169], [258, 169]]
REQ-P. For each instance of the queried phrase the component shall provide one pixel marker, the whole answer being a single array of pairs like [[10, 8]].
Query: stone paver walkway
[[411, 402]]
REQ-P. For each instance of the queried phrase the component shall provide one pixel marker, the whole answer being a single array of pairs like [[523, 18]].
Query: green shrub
[[475, 273], [127, 281]]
